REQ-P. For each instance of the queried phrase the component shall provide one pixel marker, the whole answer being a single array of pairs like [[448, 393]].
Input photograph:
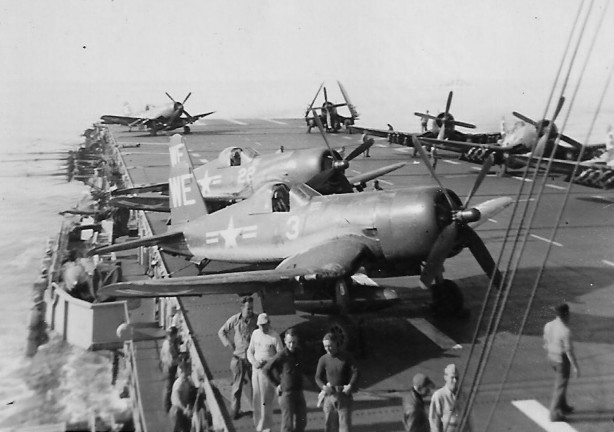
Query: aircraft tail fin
[[185, 199]]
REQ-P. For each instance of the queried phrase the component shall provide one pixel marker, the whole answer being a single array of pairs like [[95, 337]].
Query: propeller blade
[[320, 179], [325, 96], [428, 116], [426, 161], [559, 107], [572, 142], [478, 181], [187, 113], [448, 103], [463, 124], [170, 97], [314, 99], [524, 118], [438, 254], [349, 103], [319, 124], [360, 149], [481, 253], [186, 98]]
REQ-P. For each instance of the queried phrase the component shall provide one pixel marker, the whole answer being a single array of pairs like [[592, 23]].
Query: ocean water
[[62, 383]]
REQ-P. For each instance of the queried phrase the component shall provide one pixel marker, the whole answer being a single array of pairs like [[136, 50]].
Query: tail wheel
[[186, 130], [345, 332]]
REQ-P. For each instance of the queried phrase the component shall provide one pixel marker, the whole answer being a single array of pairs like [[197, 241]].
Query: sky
[[77, 59]]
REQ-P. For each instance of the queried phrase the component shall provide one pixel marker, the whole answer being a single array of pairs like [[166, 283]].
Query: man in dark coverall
[[285, 371], [415, 418], [336, 375]]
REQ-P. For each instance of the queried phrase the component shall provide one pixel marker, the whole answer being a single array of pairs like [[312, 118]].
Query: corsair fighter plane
[[170, 116], [238, 172], [312, 245], [328, 114], [527, 136]]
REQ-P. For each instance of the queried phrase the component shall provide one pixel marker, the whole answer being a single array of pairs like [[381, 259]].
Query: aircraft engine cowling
[[409, 222]]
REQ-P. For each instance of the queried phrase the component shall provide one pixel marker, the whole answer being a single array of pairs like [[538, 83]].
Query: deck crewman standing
[[557, 343], [243, 324], [336, 375], [285, 371], [263, 346]]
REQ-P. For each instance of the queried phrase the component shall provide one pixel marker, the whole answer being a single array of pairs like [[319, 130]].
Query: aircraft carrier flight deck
[[406, 339]]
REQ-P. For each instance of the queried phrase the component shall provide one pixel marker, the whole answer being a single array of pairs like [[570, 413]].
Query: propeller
[[457, 231], [445, 119], [338, 165], [178, 109], [549, 125]]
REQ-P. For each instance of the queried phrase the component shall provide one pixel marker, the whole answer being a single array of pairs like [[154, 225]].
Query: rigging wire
[[559, 216], [499, 309], [497, 300]]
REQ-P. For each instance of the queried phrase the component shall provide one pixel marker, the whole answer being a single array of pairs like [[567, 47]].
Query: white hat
[[263, 319]]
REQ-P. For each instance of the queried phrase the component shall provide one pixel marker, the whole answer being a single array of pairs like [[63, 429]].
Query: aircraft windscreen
[[302, 194]]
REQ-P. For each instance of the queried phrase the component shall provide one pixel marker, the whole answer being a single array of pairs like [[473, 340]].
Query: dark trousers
[[338, 412], [559, 395], [241, 370], [293, 411], [170, 380]]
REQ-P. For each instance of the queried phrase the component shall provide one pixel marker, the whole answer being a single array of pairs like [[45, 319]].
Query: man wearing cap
[[415, 418], [447, 404], [263, 346], [243, 324], [336, 375], [557, 343]]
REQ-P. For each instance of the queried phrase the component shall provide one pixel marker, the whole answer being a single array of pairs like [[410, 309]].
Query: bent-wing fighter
[[328, 113], [167, 117], [314, 244], [238, 172], [527, 136]]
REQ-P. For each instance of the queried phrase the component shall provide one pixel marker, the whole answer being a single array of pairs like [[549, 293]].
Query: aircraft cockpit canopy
[[236, 156], [301, 194]]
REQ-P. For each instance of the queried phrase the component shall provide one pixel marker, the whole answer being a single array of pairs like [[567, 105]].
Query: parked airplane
[[329, 116], [312, 246], [238, 172], [526, 135], [165, 117], [595, 172]]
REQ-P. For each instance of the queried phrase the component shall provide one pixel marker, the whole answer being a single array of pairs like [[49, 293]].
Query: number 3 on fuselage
[[293, 224]]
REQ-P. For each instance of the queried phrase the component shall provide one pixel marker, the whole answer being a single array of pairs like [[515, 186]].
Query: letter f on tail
[[185, 199]]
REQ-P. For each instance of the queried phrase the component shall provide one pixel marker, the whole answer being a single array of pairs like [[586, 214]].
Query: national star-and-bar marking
[[231, 234]]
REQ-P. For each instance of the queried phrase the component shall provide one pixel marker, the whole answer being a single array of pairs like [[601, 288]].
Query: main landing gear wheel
[[186, 130], [345, 331], [448, 300]]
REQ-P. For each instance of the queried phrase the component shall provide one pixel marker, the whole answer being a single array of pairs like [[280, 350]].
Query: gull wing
[[333, 259]]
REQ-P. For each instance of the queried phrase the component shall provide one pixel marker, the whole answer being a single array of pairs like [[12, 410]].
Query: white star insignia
[[230, 234]]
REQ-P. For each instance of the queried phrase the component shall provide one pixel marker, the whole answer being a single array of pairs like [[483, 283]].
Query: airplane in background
[[329, 116], [238, 172], [443, 127], [595, 172], [315, 252], [525, 136], [166, 117]]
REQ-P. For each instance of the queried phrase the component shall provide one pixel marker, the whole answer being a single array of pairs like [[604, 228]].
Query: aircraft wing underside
[[331, 260]]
